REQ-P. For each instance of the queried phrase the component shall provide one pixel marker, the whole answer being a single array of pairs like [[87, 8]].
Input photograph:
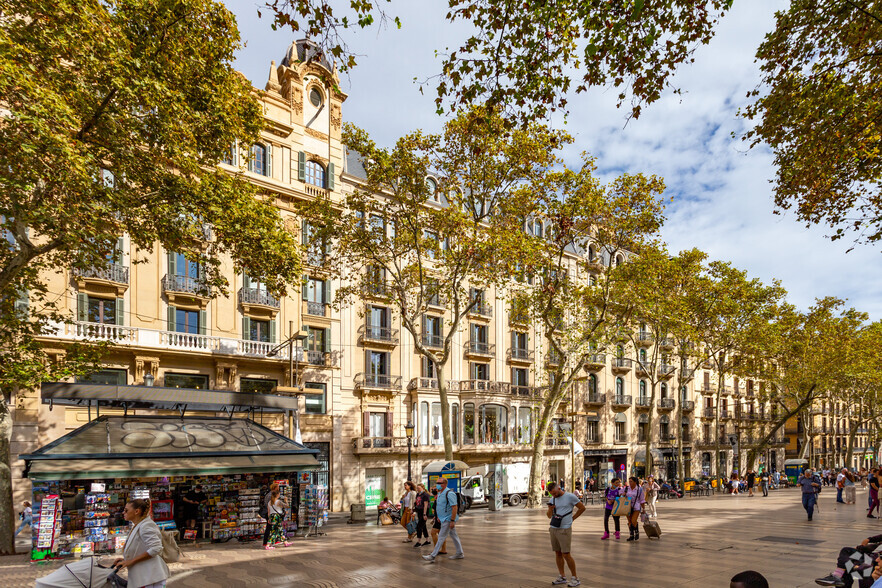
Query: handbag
[[621, 506], [411, 527], [385, 519], [557, 519]]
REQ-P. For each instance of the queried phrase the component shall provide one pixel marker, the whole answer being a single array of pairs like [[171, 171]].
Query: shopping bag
[[411, 527], [385, 519], [621, 507]]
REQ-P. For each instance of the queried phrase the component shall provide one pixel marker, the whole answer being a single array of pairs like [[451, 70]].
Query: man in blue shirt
[[810, 485], [446, 507]]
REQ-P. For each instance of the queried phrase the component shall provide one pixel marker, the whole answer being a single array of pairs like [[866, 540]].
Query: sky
[[722, 198]]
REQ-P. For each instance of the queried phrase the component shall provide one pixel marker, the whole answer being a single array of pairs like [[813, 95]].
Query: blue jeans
[[808, 502], [839, 495], [26, 522]]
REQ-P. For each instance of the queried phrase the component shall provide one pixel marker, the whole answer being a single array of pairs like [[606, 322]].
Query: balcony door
[[377, 366], [107, 311], [179, 265]]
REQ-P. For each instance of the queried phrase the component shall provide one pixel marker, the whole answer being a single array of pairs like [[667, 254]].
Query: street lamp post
[[408, 430]]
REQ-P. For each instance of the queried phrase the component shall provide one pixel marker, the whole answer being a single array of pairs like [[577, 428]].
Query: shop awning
[[157, 446]]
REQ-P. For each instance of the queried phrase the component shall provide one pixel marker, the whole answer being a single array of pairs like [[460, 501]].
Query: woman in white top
[[276, 506], [407, 500], [141, 554], [650, 491]]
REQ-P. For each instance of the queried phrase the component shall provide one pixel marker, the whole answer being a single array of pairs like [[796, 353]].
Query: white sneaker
[[574, 582], [560, 580]]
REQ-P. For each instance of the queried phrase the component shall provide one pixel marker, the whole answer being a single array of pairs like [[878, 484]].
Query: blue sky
[[722, 200]]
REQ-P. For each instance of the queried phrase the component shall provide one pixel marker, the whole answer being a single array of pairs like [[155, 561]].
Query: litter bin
[[357, 513]]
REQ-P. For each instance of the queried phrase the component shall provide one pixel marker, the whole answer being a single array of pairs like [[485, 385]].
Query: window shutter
[[246, 328], [366, 423], [331, 176], [22, 302], [246, 280], [301, 166], [304, 290], [388, 423], [235, 158], [326, 341], [304, 233], [272, 327], [120, 311], [269, 160], [118, 252], [326, 291], [203, 327], [171, 318], [82, 307], [172, 259]]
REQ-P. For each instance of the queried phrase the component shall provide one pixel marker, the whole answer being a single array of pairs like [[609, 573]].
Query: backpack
[[461, 504], [170, 550], [263, 509]]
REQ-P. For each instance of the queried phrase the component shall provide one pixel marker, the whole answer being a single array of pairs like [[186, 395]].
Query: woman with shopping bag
[[407, 501], [637, 496]]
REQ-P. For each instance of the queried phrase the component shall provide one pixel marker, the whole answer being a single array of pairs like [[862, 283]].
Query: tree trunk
[[717, 408], [445, 410], [7, 511], [649, 462], [549, 408]]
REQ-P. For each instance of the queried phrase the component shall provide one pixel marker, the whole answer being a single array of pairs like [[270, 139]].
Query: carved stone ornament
[[317, 134], [336, 118], [297, 99]]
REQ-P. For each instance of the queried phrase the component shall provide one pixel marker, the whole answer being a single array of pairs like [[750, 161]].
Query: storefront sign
[[604, 452]]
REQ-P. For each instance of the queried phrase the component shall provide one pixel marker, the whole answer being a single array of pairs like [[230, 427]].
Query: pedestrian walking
[[563, 509], [276, 507], [874, 493], [764, 482], [447, 507], [436, 522], [141, 555], [840, 485], [810, 485], [421, 510], [614, 491], [650, 490], [268, 528], [751, 480], [407, 500], [26, 516], [635, 492], [777, 477]]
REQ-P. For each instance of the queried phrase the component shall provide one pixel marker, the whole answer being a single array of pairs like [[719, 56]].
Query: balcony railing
[[314, 357], [184, 285], [524, 391], [378, 381], [666, 403], [597, 360], [595, 398], [687, 405], [520, 354], [645, 337], [113, 272], [104, 332], [379, 334], [552, 358], [643, 402], [621, 401], [488, 386], [594, 439], [433, 341], [482, 309], [481, 348], [709, 412], [665, 370], [429, 384], [316, 308], [724, 414], [621, 363], [257, 296], [376, 289], [667, 342], [620, 439]]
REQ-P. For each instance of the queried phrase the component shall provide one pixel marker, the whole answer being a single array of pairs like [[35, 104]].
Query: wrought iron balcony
[[643, 402], [433, 341], [184, 285], [481, 348], [520, 354], [665, 403], [322, 358], [725, 414], [594, 439], [596, 361], [622, 400], [523, 391], [379, 334], [666, 370], [595, 398], [621, 364], [257, 297], [709, 412], [687, 405], [482, 309], [113, 272], [488, 386], [645, 338], [667, 342], [315, 308], [378, 381]]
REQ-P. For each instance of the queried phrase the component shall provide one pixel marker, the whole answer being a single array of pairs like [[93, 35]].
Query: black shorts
[[437, 524]]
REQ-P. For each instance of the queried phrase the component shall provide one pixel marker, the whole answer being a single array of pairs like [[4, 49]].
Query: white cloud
[[722, 196]]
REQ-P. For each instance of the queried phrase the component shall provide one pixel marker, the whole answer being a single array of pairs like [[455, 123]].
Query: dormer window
[[315, 174]]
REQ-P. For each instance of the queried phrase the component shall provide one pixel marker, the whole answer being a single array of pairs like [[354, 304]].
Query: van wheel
[[514, 500]]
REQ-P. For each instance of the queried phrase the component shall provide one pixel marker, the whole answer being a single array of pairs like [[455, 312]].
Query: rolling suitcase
[[650, 527]]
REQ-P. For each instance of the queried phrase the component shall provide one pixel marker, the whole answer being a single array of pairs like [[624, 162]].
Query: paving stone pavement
[[704, 542]]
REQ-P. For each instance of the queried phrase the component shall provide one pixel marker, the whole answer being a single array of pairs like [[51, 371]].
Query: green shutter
[[235, 158], [246, 328], [172, 258], [118, 253], [120, 311], [246, 280], [304, 233], [326, 291], [304, 290], [171, 318], [272, 327], [301, 166], [82, 307], [326, 341], [330, 176], [203, 327]]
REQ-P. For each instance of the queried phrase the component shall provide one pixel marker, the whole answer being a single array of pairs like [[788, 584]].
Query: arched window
[[315, 174], [620, 387], [493, 424], [643, 419], [592, 253], [592, 384], [642, 388], [619, 260], [259, 163], [620, 351], [643, 357]]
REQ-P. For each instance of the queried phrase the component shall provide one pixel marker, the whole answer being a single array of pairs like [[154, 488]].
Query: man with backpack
[[447, 509]]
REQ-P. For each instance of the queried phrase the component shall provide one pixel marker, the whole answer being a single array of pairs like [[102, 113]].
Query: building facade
[[363, 378]]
